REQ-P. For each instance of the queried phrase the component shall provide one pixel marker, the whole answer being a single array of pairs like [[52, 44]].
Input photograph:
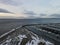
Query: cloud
[[14, 9], [43, 14], [10, 2], [55, 15], [4, 11], [32, 8], [29, 12], [55, 3]]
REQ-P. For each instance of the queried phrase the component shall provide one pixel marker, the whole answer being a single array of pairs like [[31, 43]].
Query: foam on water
[[35, 40]]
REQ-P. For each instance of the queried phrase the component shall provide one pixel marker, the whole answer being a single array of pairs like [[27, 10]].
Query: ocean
[[9, 24]]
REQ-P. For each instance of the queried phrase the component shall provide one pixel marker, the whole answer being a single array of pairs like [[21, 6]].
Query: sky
[[30, 8]]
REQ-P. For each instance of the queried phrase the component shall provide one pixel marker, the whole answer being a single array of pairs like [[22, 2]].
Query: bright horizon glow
[[8, 15]]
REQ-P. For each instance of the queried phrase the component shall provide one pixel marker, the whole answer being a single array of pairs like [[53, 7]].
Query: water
[[19, 39], [28, 21], [8, 24]]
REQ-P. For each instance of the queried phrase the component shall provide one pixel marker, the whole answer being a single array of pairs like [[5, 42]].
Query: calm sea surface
[[9, 24]]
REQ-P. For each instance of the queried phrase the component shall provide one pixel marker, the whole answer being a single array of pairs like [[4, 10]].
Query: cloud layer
[[55, 15], [4, 11], [29, 12], [10, 2], [32, 8]]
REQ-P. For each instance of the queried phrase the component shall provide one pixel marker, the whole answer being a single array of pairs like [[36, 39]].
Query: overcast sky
[[32, 8]]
